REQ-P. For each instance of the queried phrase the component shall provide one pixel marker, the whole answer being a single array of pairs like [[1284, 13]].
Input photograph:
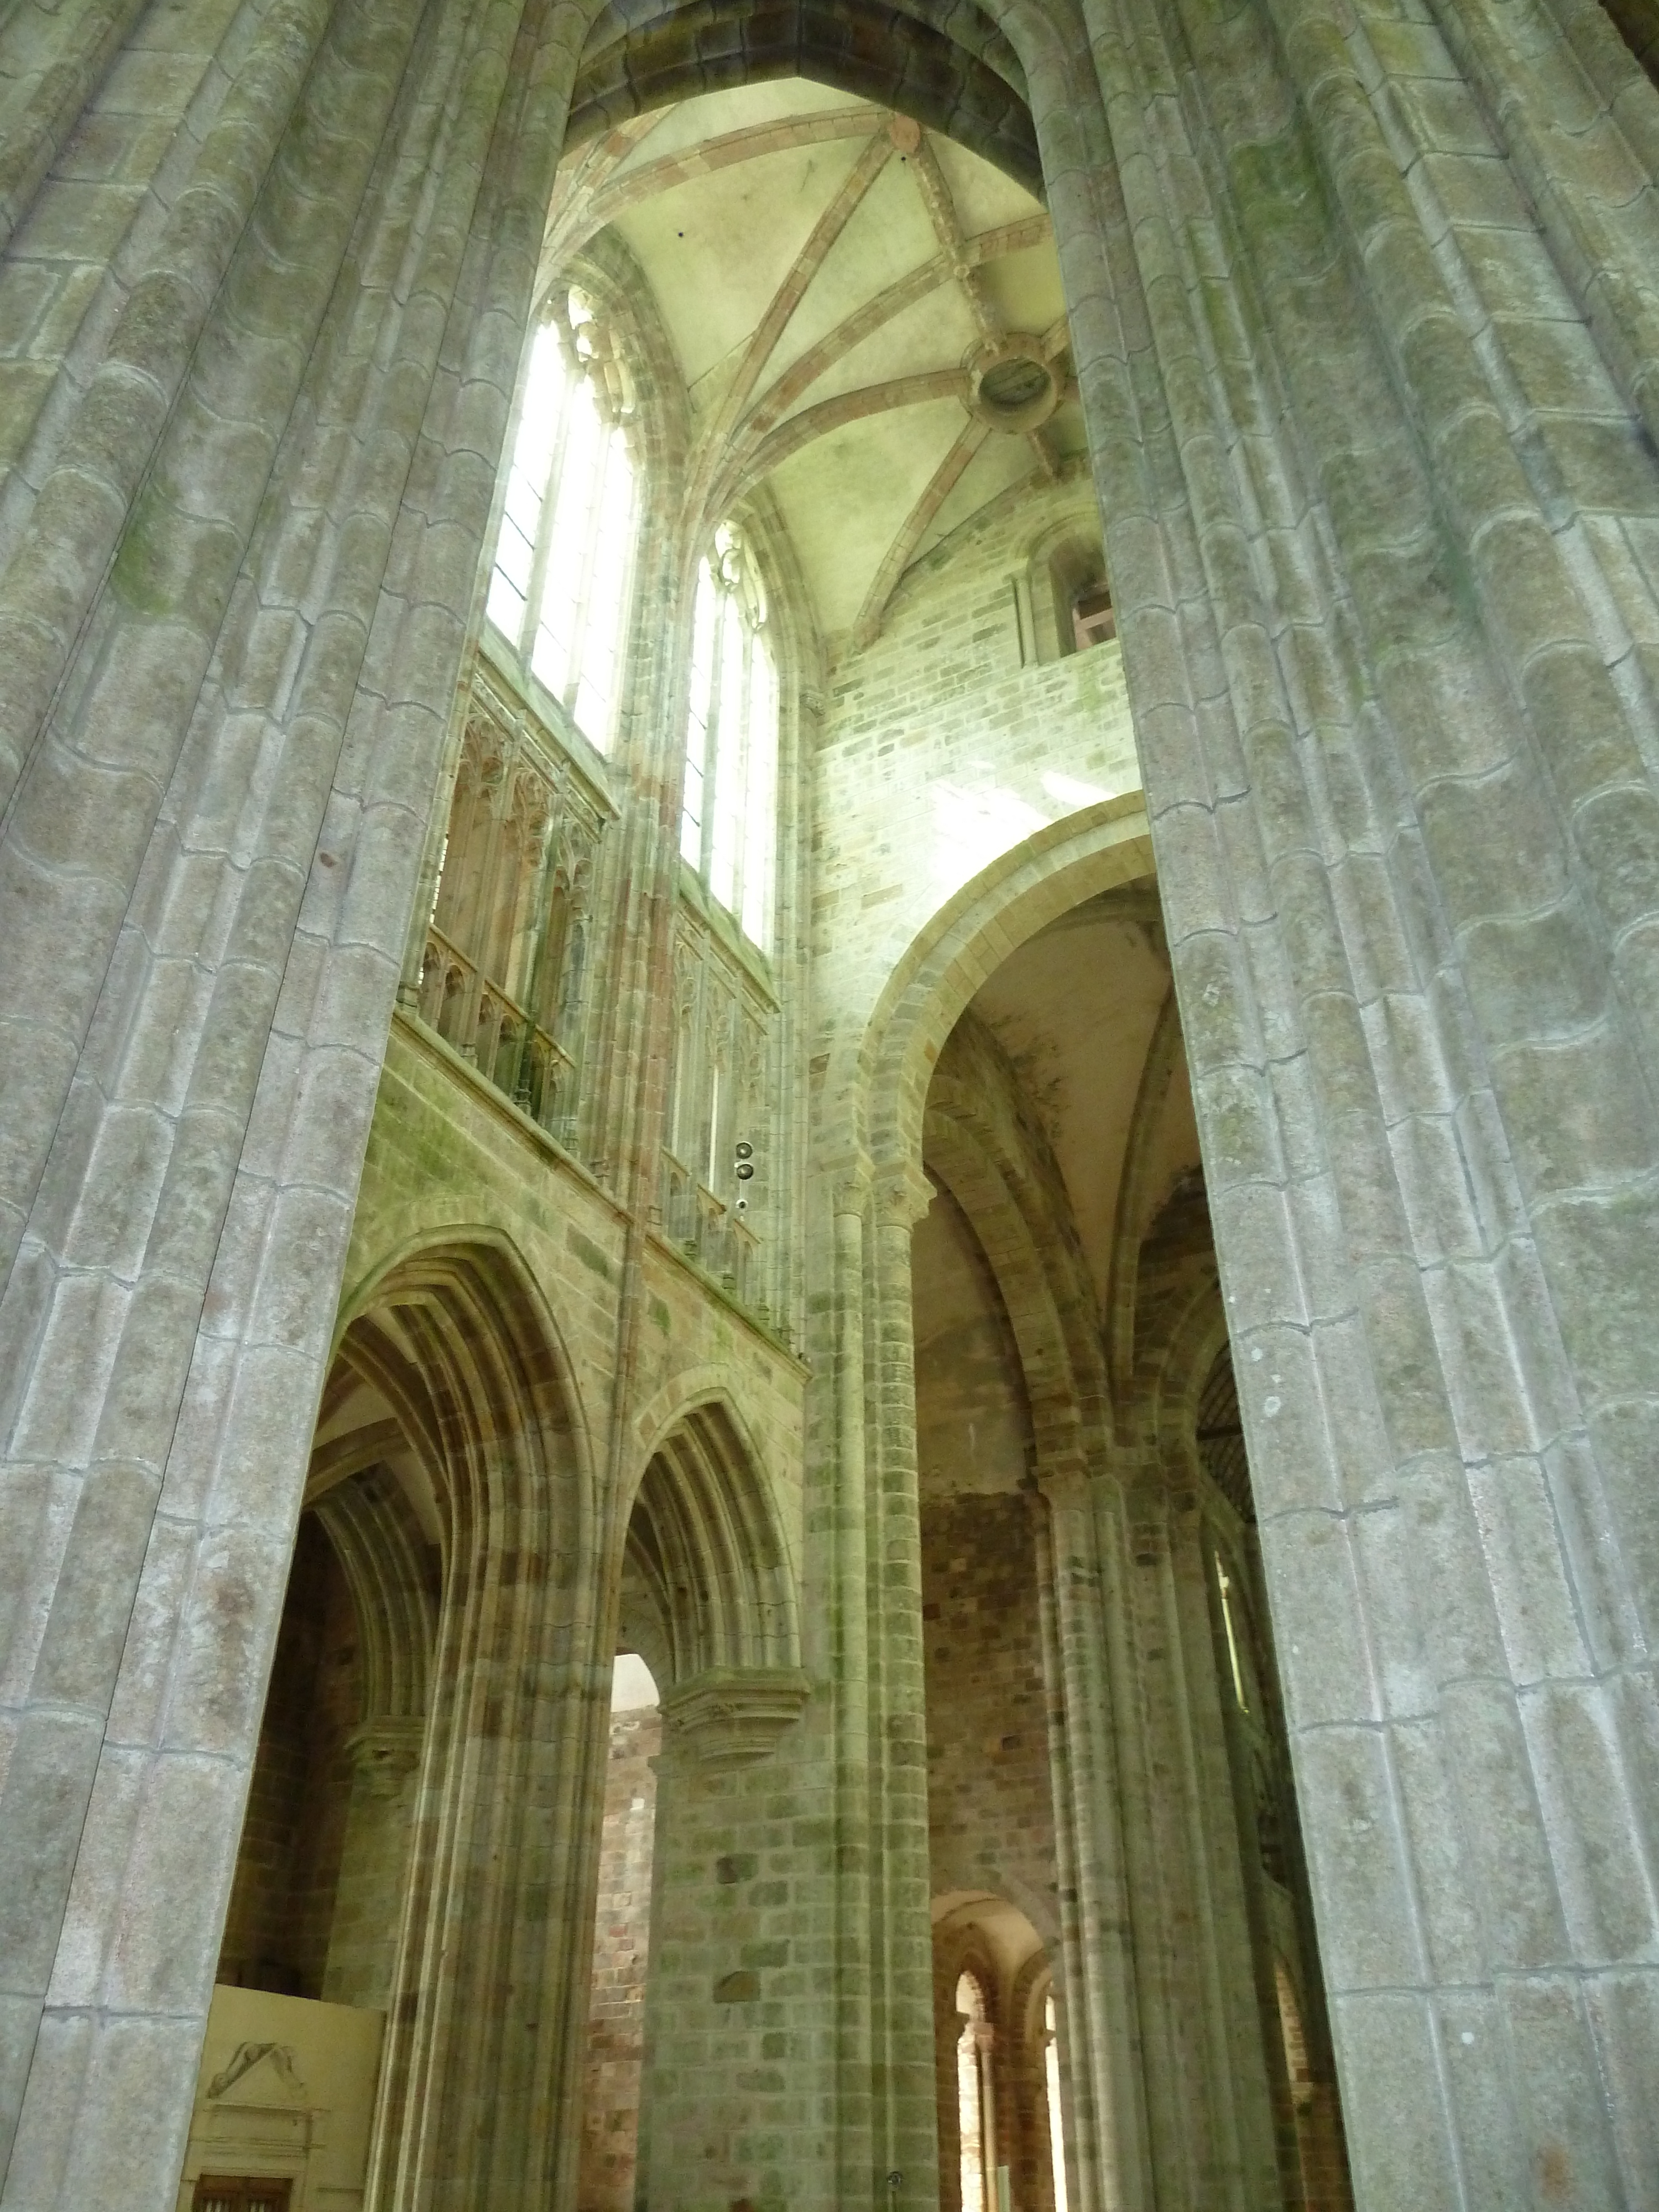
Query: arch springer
[[726, 1717]]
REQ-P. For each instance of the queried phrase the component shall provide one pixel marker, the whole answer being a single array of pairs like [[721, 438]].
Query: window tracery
[[728, 819], [561, 583], [503, 971]]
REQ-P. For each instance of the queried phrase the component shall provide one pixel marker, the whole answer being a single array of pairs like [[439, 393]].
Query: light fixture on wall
[[744, 1154]]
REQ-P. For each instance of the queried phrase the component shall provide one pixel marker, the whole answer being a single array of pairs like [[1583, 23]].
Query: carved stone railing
[[496, 1034], [503, 973], [712, 1233]]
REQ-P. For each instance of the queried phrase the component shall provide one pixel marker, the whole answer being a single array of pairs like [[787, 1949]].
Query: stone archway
[[709, 1599], [486, 2010]]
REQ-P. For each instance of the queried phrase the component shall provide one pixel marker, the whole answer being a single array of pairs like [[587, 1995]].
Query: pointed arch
[[455, 1339], [1095, 849], [704, 1540], [377, 1541], [958, 75], [999, 1167]]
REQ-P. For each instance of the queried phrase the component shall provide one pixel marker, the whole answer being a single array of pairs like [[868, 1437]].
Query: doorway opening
[[622, 1944]]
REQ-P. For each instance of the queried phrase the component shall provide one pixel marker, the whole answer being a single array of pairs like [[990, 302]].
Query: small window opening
[[1223, 1585], [1073, 595], [1051, 2077], [1094, 618], [972, 2102]]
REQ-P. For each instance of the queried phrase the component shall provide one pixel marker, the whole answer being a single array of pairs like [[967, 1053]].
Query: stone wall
[[449, 1158], [942, 747], [990, 1796]]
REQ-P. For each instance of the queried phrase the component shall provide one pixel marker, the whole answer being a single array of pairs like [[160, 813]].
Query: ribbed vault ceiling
[[868, 319]]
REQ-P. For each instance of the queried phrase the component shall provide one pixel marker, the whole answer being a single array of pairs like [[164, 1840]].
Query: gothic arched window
[[972, 2102], [560, 588], [1051, 2082], [728, 823]]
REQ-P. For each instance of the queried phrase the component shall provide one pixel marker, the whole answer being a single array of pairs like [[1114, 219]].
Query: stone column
[[368, 1897], [903, 1986], [1398, 736], [837, 1472], [728, 1996], [1099, 1794], [210, 858]]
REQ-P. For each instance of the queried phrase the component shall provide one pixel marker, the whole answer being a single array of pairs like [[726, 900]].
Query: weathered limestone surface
[[1363, 310]]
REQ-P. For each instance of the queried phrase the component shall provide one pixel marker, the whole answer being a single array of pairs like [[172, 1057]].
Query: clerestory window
[[562, 578], [728, 823]]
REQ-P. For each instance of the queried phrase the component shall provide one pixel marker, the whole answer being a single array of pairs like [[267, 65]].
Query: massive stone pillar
[[1362, 321], [731, 1984], [230, 623], [1100, 1811]]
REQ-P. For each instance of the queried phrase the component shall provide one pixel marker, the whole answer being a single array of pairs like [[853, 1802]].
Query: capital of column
[[731, 1716], [903, 1193], [383, 1752], [850, 1181], [1062, 1480]]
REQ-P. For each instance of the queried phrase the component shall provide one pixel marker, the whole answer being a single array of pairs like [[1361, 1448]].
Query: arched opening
[[279, 1930], [317, 1901], [998, 2086], [611, 2083], [966, 81], [976, 2137], [1052, 2106], [395, 1872], [1077, 1431], [707, 1683]]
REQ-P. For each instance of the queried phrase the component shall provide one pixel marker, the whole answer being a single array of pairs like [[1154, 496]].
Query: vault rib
[[847, 407], [899, 296], [896, 559], [753, 143], [787, 297], [947, 228]]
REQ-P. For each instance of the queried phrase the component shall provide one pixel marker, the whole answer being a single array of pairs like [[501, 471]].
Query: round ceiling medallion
[[1011, 385]]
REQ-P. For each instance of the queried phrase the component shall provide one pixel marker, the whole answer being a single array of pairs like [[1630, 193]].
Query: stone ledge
[[732, 1716]]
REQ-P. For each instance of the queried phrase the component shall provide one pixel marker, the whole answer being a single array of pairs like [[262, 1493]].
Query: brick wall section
[[740, 2014], [616, 2021], [940, 750], [989, 1794], [276, 1934]]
